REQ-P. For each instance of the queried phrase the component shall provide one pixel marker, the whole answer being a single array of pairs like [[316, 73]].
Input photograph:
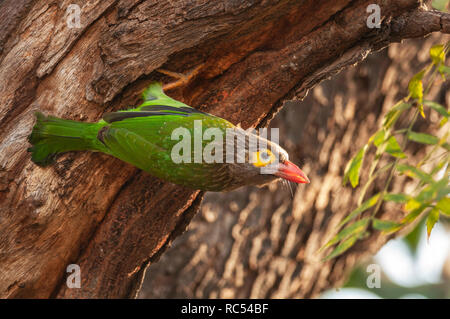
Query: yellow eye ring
[[262, 158]]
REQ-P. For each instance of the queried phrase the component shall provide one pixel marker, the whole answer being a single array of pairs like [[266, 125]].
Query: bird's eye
[[262, 158]]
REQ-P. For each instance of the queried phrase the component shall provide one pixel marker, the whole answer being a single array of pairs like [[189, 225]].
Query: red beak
[[291, 172]]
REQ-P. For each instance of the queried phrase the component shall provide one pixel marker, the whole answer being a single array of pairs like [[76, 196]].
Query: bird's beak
[[291, 172]]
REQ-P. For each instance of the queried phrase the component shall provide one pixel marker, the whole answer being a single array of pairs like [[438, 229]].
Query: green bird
[[148, 137]]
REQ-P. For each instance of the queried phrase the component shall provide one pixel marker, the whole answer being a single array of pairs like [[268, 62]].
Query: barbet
[[144, 137]]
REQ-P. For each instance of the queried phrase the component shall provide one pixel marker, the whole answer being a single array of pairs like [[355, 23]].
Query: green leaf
[[396, 198], [389, 146], [378, 138], [364, 206], [432, 218], [443, 69], [354, 166], [393, 148], [394, 113], [437, 107], [444, 205], [413, 215], [413, 238], [413, 204], [386, 226], [437, 54], [433, 192], [437, 167], [420, 107], [440, 5], [355, 228], [344, 246], [423, 138], [444, 145], [414, 172], [415, 88]]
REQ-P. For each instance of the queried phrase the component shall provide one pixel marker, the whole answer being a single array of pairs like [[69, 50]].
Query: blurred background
[[412, 267], [263, 242]]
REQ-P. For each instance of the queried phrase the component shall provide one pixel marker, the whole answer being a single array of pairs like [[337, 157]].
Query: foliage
[[431, 196], [391, 290], [440, 4]]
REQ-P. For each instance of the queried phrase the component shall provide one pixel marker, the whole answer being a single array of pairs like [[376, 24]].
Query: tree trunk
[[110, 218], [261, 243]]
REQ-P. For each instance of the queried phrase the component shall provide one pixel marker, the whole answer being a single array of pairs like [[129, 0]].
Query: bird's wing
[[158, 112], [156, 104], [131, 148], [155, 120]]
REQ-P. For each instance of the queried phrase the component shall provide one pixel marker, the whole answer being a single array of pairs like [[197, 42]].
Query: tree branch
[[96, 211]]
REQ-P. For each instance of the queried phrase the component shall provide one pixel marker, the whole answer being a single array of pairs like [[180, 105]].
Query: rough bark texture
[[101, 213], [261, 243]]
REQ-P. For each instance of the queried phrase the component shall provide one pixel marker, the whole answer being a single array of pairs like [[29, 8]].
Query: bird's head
[[264, 162]]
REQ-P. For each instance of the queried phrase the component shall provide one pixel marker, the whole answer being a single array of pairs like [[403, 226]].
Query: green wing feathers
[[132, 148], [52, 135]]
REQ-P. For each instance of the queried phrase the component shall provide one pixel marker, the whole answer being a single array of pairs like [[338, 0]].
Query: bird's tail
[[52, 135]]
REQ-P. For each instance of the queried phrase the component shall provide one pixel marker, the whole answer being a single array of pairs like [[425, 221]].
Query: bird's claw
[[183, 79]]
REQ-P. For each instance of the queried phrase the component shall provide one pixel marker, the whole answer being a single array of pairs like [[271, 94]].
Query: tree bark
[[102, 214], [261, 243]]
